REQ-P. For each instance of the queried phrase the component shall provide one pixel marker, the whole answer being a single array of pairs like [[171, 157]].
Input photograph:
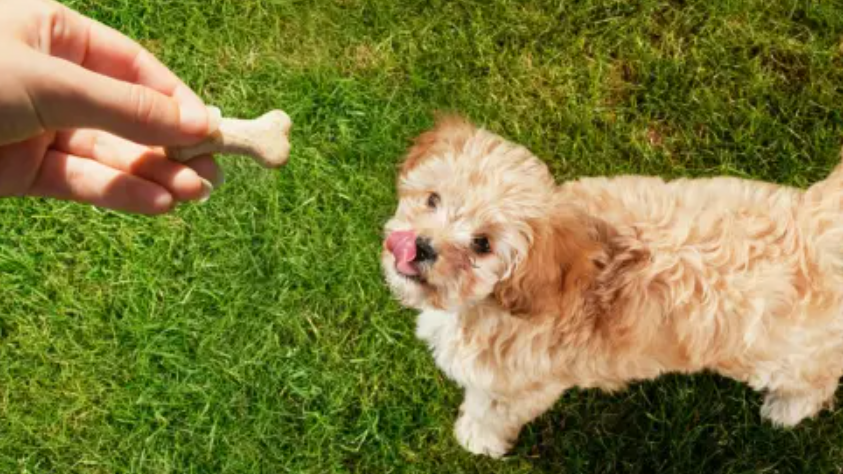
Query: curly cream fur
[[599, 282]]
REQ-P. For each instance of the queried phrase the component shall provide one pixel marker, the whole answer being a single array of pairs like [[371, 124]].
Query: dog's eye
[[481, 245], [433, 200]]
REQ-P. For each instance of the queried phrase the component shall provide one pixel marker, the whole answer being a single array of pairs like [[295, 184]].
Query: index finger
[[106, 51]]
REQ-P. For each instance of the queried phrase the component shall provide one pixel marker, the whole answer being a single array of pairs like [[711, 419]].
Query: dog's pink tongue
[[402, 244]]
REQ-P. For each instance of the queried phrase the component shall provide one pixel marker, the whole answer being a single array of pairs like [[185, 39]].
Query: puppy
[[527, 288]]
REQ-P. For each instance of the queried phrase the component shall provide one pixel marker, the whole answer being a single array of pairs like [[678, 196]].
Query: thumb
[[66, 95]]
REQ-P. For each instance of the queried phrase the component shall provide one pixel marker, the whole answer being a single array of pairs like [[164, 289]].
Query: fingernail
[[207, 189], [214, 119]]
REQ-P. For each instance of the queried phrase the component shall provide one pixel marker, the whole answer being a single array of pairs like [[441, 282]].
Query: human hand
[[83, 110]]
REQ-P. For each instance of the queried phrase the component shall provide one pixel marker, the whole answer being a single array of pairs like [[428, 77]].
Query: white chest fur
[[469, 355], [442, 332]]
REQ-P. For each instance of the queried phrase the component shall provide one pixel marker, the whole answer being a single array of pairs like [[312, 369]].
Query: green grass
[[253, 333]]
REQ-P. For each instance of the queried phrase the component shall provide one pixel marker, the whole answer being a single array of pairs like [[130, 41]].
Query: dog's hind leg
[[798, 392], [820, 222], [787, 409]]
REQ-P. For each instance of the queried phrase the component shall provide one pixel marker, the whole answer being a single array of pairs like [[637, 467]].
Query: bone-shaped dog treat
[[265, 139]]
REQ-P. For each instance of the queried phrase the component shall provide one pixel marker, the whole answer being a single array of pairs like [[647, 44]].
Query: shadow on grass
[[699, 424]]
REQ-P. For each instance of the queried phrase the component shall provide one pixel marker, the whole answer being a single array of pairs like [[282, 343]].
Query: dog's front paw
[[478, 438]]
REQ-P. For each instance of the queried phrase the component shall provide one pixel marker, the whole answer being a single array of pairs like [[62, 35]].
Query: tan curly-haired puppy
[[527, 288]]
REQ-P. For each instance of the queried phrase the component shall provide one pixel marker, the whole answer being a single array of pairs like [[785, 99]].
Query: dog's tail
[[831, 186], [820, 217]]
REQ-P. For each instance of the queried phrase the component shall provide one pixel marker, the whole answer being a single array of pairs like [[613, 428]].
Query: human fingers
[[67, 96], [66, 34], [72, 178], [206, 167], [19, 164], [148, 163]]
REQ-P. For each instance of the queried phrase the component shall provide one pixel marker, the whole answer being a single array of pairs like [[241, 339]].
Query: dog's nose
[[425, 253]]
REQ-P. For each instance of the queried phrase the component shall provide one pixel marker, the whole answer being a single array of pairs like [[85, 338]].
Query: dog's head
[[478, 218]]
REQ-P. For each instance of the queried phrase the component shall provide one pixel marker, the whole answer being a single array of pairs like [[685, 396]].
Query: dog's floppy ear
[[564, 253], [450, 131], [575, 261], [572, 258]]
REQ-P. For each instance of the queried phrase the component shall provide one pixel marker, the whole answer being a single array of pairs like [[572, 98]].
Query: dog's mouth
[[416, 276], [402, 246], [408, 261], [415, 272]]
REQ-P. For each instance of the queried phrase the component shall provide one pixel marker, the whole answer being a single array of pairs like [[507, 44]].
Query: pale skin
[[85, 112]]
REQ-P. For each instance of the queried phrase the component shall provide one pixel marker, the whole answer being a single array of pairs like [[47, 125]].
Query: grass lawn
[[253, 333]]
